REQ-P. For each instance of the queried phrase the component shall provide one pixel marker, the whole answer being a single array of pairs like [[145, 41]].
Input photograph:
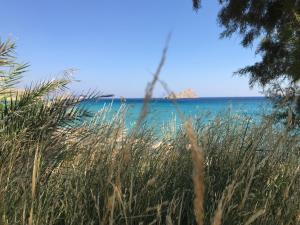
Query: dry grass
[[246, 178]]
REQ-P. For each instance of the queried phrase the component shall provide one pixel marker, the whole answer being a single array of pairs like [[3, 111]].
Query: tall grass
[[56, 167], [251, 176]]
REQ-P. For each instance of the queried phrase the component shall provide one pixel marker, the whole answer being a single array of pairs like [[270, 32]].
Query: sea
[[163, 111]]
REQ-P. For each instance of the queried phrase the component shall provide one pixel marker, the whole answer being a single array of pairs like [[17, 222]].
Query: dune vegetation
[[58, 167]]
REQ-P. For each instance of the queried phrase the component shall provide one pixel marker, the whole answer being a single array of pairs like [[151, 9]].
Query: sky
[[115, 46]]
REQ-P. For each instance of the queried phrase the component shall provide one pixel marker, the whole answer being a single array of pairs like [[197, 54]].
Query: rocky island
[[187, 93]]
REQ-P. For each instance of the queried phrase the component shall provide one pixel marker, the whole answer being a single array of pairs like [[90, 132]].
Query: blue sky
[[116, 45]]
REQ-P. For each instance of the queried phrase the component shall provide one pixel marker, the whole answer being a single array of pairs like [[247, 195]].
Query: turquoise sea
[[162, 111]]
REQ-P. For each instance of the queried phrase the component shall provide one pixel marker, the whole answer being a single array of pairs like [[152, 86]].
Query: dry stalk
[[255, 216], [198, 162], [35, 174], [198, 173], [126, 154], [151, 85]]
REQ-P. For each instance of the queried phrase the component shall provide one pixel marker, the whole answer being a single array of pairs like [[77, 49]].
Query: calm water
[[162, 111]]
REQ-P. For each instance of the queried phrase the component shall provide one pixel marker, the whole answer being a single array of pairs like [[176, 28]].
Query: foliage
[[10, 72], [31, 115], [276, 26]]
